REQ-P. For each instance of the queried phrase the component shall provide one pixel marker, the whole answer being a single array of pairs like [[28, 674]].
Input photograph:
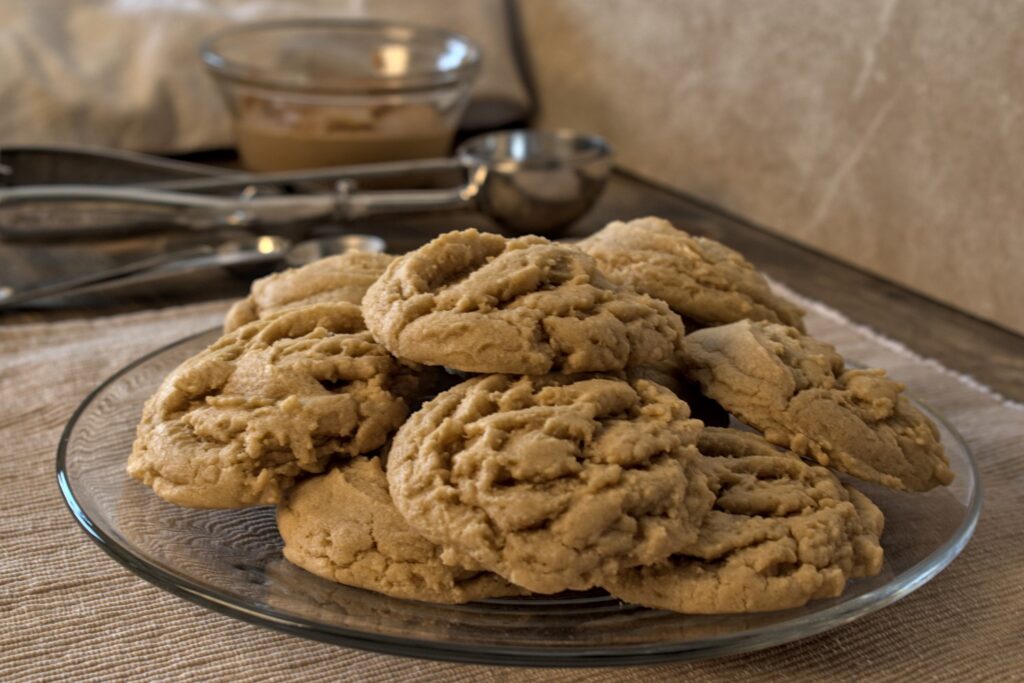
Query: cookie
[[477, 302], [700, 279], [344, 277], [342, 526], [237, 423], [782, 532], [797, 391], [242, 312], [552, 482], [701, 407]]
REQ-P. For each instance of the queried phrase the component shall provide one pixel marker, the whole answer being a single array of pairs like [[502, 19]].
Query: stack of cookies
[[487, 417]]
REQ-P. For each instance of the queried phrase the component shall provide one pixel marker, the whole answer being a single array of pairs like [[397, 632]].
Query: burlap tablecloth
[[70, 612]]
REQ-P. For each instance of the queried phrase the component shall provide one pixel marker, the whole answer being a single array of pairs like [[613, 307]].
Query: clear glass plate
[[230, 561]]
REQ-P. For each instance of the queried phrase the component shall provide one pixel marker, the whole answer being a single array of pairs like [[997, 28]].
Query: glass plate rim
[[552, 656]]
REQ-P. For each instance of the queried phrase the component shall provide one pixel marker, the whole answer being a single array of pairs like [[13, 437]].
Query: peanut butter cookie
[[342, 526], [797, 391], [344, 277], [701, 407], [782, 532], [477, 302], [700, 279], [237, 423], [552, 482]]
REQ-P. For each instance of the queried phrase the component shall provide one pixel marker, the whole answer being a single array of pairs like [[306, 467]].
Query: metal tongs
[[526, 180]]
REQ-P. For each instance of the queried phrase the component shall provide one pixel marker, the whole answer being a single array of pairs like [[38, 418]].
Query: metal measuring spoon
[[526, 180], [236, 254]]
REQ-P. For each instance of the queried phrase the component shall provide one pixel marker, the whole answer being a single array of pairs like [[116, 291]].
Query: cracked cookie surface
[[342, 526], [552, 482], [700, 279], [477, 302], [781, 532], [237, 423], [797, 391], [340, 278]]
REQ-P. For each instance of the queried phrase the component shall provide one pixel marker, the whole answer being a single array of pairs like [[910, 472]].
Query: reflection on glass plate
[[230, 561]]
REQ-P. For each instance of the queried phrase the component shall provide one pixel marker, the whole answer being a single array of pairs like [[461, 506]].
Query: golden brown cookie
[[344, 277], [477, 302], [701, 407], [242, 312], [237, 423], [699, 278], [342, 526], [552, 482], [797, 391], [782, 532]]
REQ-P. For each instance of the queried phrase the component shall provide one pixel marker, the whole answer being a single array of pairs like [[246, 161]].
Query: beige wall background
[[889, 133]]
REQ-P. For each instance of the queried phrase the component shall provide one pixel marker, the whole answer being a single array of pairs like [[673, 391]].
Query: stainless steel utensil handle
[[44, 211], [356, 205], [68, 164], [145, 271], [240, 181], [10, 297]]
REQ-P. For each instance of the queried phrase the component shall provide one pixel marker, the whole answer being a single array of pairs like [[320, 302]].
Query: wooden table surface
[[992, 355]]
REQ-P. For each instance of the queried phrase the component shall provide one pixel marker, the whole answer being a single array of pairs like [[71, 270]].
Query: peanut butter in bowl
[[306, 94], [273, 137]]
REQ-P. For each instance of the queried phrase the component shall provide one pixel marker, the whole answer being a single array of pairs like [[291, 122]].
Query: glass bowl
[[310, 93], [230, 561]]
